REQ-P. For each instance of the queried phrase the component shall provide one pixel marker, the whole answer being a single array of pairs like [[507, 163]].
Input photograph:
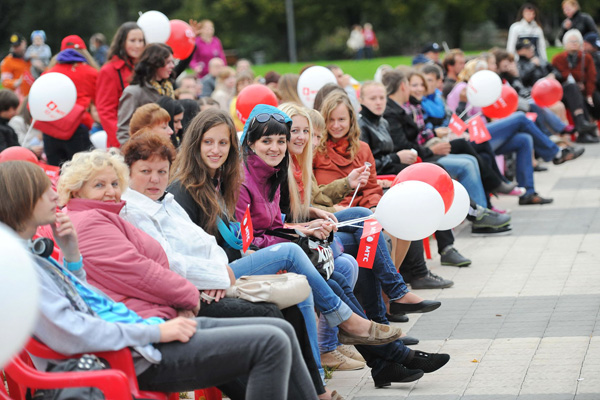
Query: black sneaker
[[394, 372], [487, 218], [431, 281], [533, 198], [427, 362], [489, 231], [587, 138], [451, 256], [567, 154]]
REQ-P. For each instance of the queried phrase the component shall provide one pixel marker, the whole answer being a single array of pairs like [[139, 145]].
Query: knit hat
[[38, 33], [262, 109], [72, 42], [593, 39]]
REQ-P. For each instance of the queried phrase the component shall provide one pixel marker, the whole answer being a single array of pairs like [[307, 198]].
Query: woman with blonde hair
[[287, 89], [224, 87], [151, 116]]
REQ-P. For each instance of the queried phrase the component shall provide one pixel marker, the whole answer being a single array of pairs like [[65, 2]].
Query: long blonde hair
[[299, 208], [331, 102]]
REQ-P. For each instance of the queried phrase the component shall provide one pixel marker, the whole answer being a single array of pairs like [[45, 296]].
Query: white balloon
[[311, 80], [51, 97], [459, 208], [98, 139], [155, 25], [410, 210], [484, 88], [380, 70], [19, 295]]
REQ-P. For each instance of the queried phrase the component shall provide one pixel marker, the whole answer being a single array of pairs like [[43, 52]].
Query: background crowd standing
[[166, 195]]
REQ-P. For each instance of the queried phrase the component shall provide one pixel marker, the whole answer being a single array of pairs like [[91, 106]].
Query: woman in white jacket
[[528, 26]]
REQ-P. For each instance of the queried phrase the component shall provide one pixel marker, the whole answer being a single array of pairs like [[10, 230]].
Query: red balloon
[[546, 92], [505, 105], [182, 39], [431, 174], [250, 97], [18, 153]]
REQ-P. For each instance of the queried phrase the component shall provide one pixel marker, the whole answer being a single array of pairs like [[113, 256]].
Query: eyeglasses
[[264, 117]]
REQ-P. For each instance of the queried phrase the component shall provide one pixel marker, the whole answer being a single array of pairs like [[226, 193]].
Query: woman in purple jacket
[[208, 46]]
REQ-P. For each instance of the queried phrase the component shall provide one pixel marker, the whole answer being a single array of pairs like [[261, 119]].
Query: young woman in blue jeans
[[265, 146]]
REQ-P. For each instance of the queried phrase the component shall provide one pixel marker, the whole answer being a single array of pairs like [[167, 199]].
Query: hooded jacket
[[126, 263]]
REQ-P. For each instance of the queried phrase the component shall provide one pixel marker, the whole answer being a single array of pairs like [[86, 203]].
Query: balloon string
[[350, 222], [462, 114], [30, 128], [473, 117], [354, 195]]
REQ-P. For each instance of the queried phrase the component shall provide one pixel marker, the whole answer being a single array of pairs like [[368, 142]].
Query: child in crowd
[[38, 53], [8, 109]]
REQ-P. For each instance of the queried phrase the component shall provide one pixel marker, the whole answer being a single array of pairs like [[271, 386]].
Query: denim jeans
[[502, 130], [383, 275], [347, 266], [291, 258], [546, 118], [377, 357], [508, 136], [264, 350], [465, 169]]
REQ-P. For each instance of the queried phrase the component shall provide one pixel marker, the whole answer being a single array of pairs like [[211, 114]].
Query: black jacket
[[404, 131], [581, 21], [375, 131], [531, 73], [8, 137]]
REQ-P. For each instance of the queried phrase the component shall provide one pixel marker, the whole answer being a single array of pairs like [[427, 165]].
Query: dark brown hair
[[154, 57], [22, 184], [194, 176], [117, 46]]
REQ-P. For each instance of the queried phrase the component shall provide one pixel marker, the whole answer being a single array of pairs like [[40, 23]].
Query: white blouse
[[192, 253]]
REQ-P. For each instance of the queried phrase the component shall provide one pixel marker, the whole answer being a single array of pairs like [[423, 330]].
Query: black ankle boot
[[583, 126], [394, 372], [427, 362]]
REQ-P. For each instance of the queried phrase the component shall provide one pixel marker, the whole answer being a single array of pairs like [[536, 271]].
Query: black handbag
[[318, 251], [87, 362]]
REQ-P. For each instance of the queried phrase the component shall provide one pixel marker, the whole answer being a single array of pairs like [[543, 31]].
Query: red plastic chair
[[208, 394], [118, 382]]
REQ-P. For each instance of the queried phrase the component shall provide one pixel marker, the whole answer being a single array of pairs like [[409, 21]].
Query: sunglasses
[[264, 117]]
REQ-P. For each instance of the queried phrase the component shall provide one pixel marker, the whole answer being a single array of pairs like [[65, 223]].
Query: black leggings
[[58, 151]]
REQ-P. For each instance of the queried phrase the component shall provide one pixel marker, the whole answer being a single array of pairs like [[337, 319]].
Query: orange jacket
[[11, 69], [333, 165]]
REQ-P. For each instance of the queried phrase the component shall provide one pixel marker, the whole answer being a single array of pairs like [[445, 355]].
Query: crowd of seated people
[[147, 226]]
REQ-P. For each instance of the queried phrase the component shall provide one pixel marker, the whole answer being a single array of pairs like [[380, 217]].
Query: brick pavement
[[522, 321]]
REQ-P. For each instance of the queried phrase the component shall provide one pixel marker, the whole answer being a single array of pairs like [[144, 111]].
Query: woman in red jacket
[[125, 49]]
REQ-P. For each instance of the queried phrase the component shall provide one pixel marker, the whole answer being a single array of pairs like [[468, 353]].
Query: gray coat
[[133, 97]]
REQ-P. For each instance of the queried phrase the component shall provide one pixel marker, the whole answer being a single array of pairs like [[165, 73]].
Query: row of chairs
[[118, 383]]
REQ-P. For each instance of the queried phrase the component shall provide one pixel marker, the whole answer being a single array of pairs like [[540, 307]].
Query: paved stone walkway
[[522, 322]]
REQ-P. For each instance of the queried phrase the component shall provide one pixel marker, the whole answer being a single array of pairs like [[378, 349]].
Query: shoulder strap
[[284, 233], [233, 241]]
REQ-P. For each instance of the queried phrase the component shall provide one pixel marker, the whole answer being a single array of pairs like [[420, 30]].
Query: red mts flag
[[368, 243], [531, 116], [247, 229], [478, 133], [457, 125]]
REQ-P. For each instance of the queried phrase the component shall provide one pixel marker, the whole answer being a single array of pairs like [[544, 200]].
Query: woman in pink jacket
[[121, 260]]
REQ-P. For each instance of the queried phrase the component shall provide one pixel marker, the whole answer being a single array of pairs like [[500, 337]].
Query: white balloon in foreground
[[19, 295], [459, 208], [411, 210]]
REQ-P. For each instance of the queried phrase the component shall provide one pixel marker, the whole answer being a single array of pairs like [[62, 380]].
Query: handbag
[[318, 251], [283, 290], [87, 362], [65, 127]]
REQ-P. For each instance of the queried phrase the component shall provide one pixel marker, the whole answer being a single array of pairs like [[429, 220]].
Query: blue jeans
[[375, 356], [465, 169], [348, 267], [382, 275], [291, 258], [512, 134], [546, 118], [503, 129]]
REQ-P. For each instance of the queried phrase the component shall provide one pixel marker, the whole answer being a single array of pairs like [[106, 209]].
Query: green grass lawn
[[361, 70]]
